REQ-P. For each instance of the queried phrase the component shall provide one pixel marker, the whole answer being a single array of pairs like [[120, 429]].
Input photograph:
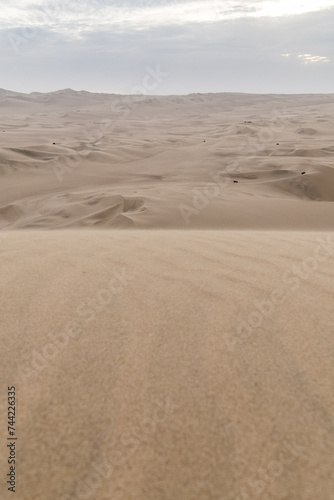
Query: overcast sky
[[168, 46]]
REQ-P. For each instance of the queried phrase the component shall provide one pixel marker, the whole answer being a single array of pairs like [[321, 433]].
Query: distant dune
[[198, 161]]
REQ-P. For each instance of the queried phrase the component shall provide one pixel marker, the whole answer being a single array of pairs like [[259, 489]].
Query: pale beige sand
[[166, 162], [191, 357], [138, 379]]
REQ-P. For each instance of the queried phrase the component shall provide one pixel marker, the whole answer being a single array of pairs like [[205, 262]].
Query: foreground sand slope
[[169, 365], [75, 159]]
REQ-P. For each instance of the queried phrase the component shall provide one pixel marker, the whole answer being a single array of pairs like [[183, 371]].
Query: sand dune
[[185, 350], [165, 364]]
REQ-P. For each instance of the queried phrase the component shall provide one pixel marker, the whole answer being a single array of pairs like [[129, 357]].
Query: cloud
[[97, 15], [279, 8], [309, 59], [69, 44]]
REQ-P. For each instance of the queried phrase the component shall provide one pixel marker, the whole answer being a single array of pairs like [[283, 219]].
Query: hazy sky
[[168, 46]]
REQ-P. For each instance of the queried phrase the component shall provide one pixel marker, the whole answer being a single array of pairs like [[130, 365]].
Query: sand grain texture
[[155, 373]]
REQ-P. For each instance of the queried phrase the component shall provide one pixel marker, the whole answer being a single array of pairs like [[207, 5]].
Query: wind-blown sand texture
[[188, 356]]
